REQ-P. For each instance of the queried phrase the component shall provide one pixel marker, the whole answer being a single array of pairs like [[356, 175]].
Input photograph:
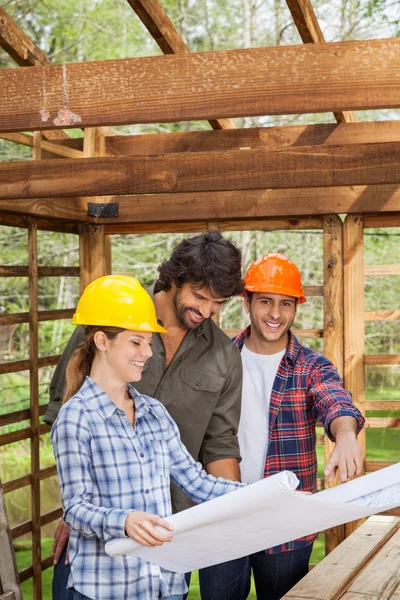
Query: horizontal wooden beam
[[382, 405], [237, 139], [382, 359], [224, 207], [44, 315], [303, 166], [382, 315], [381, 422], [251, 138], [23, 271], [381, 270], [235, 83], [23, 365], [47, 224]]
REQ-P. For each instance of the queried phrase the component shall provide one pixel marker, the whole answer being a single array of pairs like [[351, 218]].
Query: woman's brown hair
[[80, 363]]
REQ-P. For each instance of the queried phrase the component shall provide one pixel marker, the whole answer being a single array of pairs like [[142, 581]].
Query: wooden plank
[[392, 359], [20, 220], [84, 257], [9, 580], [20, 482], [382, 315], [19, 415], [334, 575], [44, 315], [382, 405], [97, 252], [52, 147], [375, 465], [306, 166], [34, 397], [23, 51], [310, 32], [382, 422], [354, 380], [249, 138], [163, 31], [206, 85], [26, 54], [333, 332], [23, 365], [57, 208], [241, 204], [381, 220], [22, 434], [378, 270], [23, 271], [380, 577]]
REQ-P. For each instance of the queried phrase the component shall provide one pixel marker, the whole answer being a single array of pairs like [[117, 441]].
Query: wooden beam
[[354, 365], [310, 32], [26, 54], [234, 205], [164, 33], [207, 85], [237, 139], [49, 146], [308, 166], [333, 333]]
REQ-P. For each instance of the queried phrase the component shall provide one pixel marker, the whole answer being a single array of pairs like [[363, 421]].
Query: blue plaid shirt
[[107, 468]]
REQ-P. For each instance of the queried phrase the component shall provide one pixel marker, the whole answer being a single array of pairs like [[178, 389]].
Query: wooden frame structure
[[298, 177]]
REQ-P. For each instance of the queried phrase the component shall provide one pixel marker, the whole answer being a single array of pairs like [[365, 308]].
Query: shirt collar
[[106, 407], [292, 350]]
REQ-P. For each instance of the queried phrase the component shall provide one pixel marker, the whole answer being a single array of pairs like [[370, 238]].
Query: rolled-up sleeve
[[329, 399], [220, 439]]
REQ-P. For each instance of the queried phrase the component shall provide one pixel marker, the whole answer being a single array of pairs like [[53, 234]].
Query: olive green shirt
[[201, 389]]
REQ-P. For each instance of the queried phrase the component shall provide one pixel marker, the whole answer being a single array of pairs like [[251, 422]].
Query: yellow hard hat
[[117, 301]]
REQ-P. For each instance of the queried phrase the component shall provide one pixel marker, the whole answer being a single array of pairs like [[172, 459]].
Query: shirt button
[[162, 353], [160, 386], [141, 455], [198, 384], [147, 491]]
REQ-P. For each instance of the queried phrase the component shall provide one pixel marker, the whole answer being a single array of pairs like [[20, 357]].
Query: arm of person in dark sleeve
[[220, 453], [57, 384]]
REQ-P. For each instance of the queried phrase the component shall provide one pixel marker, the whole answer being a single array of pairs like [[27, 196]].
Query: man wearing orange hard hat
[[287, 389]]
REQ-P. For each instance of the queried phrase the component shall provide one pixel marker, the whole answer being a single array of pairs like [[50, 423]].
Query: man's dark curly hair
[[207, 260]]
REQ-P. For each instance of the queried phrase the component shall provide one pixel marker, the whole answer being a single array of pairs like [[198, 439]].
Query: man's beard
[[181, 312]]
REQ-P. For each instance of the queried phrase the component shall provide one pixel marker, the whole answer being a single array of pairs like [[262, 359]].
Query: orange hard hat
[[276, 274]]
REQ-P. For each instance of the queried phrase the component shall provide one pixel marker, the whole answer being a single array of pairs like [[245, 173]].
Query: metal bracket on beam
[[106, 209]]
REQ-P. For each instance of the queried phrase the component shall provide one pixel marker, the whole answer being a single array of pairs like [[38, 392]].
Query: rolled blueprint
[[261, 515]]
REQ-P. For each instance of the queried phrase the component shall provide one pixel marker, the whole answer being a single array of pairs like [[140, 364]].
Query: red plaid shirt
[[307, 389]]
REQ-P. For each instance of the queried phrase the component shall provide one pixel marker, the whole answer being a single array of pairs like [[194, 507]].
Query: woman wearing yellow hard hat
[[116, 450]]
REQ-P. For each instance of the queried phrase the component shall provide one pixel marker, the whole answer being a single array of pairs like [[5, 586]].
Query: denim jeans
[[60, 579], [274, 575]]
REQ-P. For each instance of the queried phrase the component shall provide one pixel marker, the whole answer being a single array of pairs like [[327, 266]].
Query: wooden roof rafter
[[163, 31], [310, 32]]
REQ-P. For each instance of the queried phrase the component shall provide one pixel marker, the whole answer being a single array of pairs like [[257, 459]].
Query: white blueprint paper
[[261, 515]]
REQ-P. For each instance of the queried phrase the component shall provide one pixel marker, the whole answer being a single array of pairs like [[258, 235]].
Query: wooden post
[[94, 247], [333, 330], [34, 409], [214, 225], [34, 391], [9, 580], [354, 365]]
